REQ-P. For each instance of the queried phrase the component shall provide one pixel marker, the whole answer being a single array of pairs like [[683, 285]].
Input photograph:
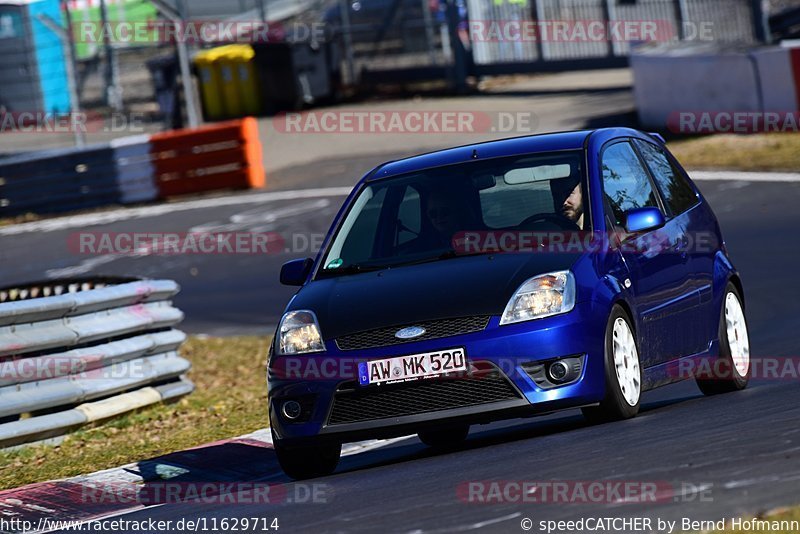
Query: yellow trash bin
[[242, 59], [207, 63], [229, 82]]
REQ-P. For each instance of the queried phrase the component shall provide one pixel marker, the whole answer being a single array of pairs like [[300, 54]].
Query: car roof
[[515, 146]]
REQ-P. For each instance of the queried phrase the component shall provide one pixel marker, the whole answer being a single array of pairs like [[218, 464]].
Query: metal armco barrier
[[133, 169], [227, 155], [58, 181], [713, 78], [88, 352]]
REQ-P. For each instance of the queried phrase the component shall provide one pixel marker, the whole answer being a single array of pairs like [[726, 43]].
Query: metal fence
[[414, 40], [717, 20], [376, 41], [403, 35], [79, 351]]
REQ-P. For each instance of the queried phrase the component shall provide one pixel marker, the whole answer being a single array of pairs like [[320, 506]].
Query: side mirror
[[643, 219], [295, 272]]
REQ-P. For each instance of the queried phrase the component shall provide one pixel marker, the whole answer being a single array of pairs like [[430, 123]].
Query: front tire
[[623, 372], [308, 461], [731, 371]]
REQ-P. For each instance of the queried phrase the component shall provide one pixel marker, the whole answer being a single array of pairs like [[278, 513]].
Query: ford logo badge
[[410, 333]]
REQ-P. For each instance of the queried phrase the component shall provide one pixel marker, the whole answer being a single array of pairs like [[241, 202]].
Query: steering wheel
[[559, 220]]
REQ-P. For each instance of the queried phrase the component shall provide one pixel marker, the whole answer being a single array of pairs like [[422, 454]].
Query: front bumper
[[314, 380]]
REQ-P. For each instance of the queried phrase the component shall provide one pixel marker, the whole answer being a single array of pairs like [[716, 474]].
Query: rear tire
[[623, 372], [445, 438], [732, 370], [308, 461]]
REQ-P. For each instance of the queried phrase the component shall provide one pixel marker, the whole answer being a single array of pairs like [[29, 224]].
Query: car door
[[658, 272], [697, 252]]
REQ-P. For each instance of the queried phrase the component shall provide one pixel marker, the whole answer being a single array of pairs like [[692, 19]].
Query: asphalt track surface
[[720, 457]]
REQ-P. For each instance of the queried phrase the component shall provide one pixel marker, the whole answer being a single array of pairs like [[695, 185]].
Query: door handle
[[682, 243], [682, 246]]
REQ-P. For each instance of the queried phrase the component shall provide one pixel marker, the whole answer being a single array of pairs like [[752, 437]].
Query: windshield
[[419, 217]]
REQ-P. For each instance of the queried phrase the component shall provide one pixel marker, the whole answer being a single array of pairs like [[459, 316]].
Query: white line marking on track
[[495, 520], [263, 215], [664, 496], [769, 479], [365, 446], [264, 435], [83, 267], [124, 214], [472, 526], [239, 221], [736, 176]]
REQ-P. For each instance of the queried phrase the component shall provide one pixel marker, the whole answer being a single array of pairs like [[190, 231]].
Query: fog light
[[291, 409], [555, 373], [558, 371]]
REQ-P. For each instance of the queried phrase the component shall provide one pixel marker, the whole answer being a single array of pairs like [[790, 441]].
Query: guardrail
[[78, 351], [673, 78], [133, 169], [58, 180]]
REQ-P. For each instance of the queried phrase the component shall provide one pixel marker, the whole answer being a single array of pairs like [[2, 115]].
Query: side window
[[678, 195], [625, 182]]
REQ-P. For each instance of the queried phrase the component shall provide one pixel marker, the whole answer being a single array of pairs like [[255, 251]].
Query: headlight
[[541, 296], [299, 333]]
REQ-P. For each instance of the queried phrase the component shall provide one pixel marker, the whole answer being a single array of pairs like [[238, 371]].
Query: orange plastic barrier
[[223, 156]]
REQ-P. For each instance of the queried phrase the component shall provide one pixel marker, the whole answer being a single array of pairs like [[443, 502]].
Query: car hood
[[458, 287]]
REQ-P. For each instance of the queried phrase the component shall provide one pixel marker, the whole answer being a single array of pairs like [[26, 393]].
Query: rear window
[[506, 205]]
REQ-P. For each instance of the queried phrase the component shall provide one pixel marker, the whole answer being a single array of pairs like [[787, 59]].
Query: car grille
[[384, 337], [353, 404]]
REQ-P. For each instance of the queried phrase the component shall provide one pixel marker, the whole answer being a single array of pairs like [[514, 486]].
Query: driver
[[441, 221], [572, 208], [442, 216]]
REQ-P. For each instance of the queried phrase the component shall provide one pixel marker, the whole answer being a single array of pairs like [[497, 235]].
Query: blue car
[[501, 280]]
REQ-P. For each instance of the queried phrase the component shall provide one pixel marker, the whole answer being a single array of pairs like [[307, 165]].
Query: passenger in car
[[443, 219]]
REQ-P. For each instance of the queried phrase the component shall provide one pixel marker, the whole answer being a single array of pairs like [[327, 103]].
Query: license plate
[[413, 367]]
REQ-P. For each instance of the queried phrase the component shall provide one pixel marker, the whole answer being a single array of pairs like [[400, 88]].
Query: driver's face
[[573, 206], [441, 215]]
